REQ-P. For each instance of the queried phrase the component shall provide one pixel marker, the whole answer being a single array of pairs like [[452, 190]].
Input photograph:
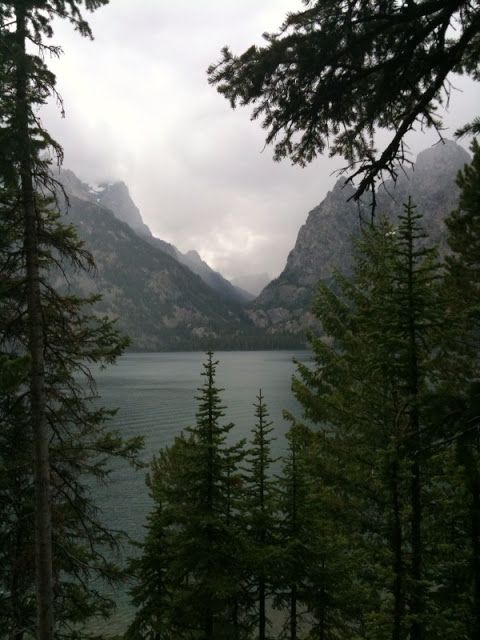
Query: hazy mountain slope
[[115, 196], [193, 261], [324, 242], [158, 302]]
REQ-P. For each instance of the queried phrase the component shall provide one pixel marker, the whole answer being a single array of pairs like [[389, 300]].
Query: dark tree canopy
[[339, 69]]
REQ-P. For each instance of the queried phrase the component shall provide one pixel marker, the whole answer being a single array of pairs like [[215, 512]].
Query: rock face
[[156, 300], [115, 197], [324, 242]]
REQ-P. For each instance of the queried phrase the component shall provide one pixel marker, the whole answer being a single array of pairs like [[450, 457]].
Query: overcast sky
[[139, 109]]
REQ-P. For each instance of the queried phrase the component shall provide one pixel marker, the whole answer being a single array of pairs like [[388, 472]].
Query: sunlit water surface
[[154, 394]]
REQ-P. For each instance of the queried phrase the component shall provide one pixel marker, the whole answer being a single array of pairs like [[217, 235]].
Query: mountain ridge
[[324, 241], [115, 197], [155, 299]]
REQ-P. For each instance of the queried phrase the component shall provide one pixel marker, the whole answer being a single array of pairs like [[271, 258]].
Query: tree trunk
[[398, 605], [475, 519], [417, 595], [43, 527], [16, 591], [417, 627], [261, 609], [293, 612], [469, 453]]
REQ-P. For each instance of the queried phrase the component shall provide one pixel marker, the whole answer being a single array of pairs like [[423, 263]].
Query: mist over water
[[155, 397]]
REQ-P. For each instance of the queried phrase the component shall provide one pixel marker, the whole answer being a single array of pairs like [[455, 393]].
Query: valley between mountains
[[167, 300]]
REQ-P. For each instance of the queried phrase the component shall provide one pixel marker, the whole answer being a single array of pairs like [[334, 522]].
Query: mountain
[[157, 301], [324, 242], [115, 197]]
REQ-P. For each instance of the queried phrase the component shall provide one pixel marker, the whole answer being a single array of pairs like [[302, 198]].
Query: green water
[[154, 393]]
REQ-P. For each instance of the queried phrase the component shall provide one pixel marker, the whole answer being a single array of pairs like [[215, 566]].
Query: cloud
[[139, 109]]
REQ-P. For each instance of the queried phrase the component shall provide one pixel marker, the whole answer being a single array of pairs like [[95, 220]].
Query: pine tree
[[152, 595], [80, 443], [464, 239], [295, 531], [260, 513], [53, 339], [462, 289], [417, 314], [378, 372], [196, 510]]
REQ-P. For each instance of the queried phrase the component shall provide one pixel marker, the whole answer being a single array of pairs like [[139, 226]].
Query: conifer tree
[[464, 238], [462, 289], [295, 531], [371, 391], [56, 339], [260, 512], [80, 443], [417, 316], [153, 593], [196, 513]]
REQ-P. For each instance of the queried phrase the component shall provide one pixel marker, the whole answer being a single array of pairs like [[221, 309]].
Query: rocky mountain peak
[[116, 197], [324, 242], [442, 159], [194, 256], [434, 168]]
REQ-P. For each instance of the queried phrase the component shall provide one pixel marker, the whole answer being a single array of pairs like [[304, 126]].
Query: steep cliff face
[[115, 197], [324, 242], [156, 300], [431, 183]]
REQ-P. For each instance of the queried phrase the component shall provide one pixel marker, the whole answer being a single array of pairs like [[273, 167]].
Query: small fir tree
[[197, 513], [261, 515]]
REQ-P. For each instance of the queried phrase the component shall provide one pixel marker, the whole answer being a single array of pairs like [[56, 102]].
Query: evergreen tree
[[260, 513], [462, 290], [418, 306], [49, 340], [80, 443], [464, 239], [378, 373], [295, 532], [337, 70], [196, 512], [154, 589]]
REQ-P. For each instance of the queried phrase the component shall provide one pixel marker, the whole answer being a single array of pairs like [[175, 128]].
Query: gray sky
[[139, 109]]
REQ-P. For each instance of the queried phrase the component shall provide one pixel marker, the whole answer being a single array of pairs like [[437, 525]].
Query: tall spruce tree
[[261, 515], [462, 289], [417, 317], [54, 339], [80, 443], [154, 571], [372, 390], [196, 513], [295, 531]]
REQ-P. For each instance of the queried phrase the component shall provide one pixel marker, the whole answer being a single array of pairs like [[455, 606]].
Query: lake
[[154, 394]]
